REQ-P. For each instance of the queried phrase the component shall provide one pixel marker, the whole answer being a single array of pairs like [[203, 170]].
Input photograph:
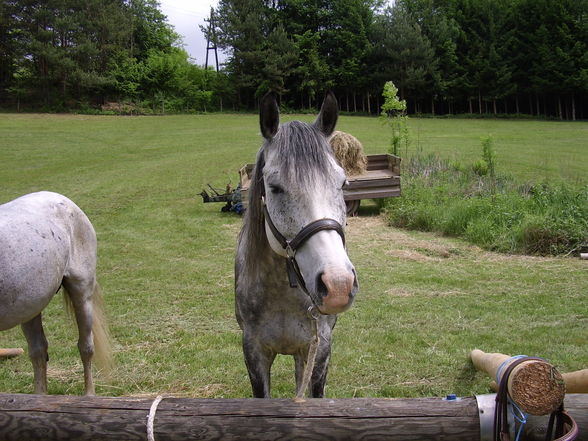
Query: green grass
[[529, 150], [166, 261]]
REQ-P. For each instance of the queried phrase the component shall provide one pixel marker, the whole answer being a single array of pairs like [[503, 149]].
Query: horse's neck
[[258, 256]]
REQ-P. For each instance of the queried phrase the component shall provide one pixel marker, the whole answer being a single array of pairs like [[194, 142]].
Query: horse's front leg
[[33, 331], [259, 362], [318, 379]]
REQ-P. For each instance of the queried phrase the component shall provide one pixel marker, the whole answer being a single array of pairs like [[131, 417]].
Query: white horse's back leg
[[33, 331], [80, 295]]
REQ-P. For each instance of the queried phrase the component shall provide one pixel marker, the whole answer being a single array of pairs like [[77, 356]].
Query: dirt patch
[[364, 232]]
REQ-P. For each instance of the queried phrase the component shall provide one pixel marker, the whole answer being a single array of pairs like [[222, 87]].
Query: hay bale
[[349, 153]]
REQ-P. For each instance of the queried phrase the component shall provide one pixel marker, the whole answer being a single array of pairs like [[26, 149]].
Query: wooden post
[[534, 385], [576, 382], [10, 352], [56, 418]]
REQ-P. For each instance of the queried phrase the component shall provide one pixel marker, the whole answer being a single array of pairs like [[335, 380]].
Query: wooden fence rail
[[55, 418]]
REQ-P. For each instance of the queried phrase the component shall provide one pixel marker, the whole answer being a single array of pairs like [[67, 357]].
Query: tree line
[[122, 54], [445, 56]]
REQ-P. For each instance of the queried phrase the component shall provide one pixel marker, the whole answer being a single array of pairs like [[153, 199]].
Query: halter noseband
[[291, 246]]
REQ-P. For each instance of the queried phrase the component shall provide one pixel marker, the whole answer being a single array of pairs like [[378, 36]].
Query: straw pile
[[349, 153]]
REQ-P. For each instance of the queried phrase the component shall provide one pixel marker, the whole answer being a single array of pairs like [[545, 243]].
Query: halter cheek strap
[[291, 246]]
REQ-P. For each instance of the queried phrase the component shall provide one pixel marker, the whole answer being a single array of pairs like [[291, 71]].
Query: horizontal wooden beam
[[55, 418]]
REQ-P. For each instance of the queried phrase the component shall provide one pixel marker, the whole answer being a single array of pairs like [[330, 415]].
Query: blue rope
[[506, 363], [521, 418]]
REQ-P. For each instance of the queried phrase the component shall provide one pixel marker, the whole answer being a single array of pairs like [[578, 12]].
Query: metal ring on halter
[[290, 252], [313, 312]]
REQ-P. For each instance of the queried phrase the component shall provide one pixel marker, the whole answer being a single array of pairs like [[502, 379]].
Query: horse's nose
[[339, 287]]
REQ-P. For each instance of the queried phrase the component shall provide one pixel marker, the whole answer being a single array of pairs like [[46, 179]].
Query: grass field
[[166, 260]]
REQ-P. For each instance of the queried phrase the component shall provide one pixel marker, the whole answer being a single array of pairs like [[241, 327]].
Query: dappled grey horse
[[292, 272], [47, 242]]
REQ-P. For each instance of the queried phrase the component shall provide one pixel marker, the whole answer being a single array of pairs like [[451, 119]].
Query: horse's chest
[[285, 334]]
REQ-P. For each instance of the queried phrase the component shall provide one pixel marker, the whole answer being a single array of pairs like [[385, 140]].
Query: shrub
[[488, 155], [492, 212], [394, 114], [480, 167], [482, 231], [462, 213]]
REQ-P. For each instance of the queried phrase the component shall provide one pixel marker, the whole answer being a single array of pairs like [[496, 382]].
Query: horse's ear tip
[[330, 98], [267, 97], [331, 95], [269, 115]]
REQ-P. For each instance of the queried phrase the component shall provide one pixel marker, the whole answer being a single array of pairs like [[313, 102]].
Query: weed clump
[[491, 210]]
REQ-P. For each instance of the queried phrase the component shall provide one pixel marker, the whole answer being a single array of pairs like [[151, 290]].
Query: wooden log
[[10, 352], [576, 382], [53, 418], [56, 418], [535, 385]]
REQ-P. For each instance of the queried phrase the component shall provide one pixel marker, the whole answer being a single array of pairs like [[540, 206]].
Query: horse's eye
[[276, 189]]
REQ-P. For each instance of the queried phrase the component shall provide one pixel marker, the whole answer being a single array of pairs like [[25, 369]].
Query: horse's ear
[[327, 118], [269, 116]]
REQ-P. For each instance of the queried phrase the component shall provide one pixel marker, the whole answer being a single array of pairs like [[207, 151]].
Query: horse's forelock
[[302, 153]]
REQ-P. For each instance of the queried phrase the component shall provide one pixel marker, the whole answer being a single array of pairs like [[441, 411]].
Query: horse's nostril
[[355, 285], [321, 288]]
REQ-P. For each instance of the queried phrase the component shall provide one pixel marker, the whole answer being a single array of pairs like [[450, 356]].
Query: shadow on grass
[[368, 207]]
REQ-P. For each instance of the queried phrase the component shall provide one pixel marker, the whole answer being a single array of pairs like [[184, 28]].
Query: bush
[[480, 167], [491, 212]]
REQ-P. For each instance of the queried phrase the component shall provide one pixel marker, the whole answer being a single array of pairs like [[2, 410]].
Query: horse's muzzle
[[338, 288]]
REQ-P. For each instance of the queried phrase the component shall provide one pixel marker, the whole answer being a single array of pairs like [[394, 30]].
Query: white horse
[[47, 242], [291, 254]]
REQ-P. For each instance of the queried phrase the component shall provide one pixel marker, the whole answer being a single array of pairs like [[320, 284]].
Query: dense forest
[[491, 57]]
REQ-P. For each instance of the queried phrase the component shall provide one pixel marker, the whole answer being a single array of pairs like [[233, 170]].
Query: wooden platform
[[381, 180]]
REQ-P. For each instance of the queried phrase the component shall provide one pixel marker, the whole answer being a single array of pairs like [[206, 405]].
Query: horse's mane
[[303, 154]]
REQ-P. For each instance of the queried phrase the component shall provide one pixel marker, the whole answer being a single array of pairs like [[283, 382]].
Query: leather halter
[[291, 246]]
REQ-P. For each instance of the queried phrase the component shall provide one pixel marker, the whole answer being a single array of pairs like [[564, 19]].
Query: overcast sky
[[186, 16]]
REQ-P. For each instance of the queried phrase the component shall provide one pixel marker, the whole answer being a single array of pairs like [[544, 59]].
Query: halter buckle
[[313, 312], [290, 252]]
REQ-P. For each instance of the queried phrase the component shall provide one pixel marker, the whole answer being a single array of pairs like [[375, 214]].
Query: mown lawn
[[166, 260]]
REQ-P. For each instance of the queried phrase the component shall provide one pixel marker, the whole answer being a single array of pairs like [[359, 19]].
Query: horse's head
[[304, 206]]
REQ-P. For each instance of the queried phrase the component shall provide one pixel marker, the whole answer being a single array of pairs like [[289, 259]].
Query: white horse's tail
[[102, 347], [101, 337]]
